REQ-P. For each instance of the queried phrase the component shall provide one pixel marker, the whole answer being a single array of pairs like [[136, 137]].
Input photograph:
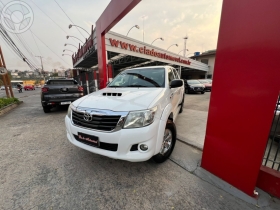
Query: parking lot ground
[[21, 95], [40, 169], [191, 124]]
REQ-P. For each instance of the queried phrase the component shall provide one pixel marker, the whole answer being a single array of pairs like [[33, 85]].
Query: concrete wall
[[211, 64]]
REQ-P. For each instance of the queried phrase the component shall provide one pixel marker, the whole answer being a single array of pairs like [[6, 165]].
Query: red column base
[[269, 181]]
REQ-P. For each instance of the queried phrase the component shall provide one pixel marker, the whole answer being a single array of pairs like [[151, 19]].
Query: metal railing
[[271, 157]]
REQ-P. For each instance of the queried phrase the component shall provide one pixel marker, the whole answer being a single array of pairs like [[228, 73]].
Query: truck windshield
[[62, 82], [149, 77], [192, 82]]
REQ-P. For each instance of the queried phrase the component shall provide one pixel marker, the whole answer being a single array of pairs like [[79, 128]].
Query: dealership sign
[[124, 45], [145, 50]]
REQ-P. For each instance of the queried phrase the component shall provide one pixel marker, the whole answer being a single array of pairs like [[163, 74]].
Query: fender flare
[[167, 112]]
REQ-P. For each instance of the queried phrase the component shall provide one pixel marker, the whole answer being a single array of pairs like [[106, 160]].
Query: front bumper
[[196, 90], [124, 138], [208, 88]]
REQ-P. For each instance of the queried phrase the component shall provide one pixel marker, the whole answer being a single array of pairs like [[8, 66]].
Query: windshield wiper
[[136, 86], [114, 86], [140, 76]]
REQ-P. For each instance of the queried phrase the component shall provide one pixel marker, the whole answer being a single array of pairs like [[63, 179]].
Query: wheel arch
[[167, 117]]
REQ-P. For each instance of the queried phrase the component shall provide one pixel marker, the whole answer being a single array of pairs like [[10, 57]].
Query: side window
[[170, 75], [176, 74]]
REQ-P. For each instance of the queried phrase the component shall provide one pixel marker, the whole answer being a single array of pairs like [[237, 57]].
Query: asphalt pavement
[[40, 169], [21, 95]]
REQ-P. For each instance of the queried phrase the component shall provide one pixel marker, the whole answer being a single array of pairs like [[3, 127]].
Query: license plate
[[64, 103], [88, 139]]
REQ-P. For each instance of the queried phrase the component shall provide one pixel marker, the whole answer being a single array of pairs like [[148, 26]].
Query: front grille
[[102, 145], [104, 123], [198, 88]]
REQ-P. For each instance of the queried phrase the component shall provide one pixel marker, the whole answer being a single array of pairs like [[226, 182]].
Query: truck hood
[[120, 99]]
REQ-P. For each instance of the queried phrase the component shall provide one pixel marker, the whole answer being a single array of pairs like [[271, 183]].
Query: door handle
[[171, 96]]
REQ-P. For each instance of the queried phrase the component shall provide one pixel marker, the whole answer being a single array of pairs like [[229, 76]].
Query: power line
[[69, 18], [50, 49], [23, 43], [32, 34], [13, 46], [36, 43], [50, 18], [39, 39]]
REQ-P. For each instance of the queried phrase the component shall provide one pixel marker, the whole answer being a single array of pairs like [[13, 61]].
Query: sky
[[170, 19]]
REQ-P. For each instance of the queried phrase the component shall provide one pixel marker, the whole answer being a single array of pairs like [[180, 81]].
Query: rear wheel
[[46, 109], [168, 143], [187, 91]]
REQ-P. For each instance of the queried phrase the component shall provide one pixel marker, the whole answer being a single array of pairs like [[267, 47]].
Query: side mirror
[[176, 83]]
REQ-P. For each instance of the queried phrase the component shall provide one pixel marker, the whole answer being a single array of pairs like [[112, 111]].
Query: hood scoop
[[112, 94]]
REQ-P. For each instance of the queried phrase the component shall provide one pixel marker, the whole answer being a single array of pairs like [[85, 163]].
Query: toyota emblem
[[87, 117]]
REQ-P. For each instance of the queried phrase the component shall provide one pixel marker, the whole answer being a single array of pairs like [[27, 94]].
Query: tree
[[37, 82], [1, 78]]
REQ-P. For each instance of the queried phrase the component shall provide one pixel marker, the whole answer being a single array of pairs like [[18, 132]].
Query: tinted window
[[146, 77], [204, 61], [62, 82]]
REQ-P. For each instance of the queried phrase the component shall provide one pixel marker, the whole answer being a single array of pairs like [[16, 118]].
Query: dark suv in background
[[194, 86], [60, 92]]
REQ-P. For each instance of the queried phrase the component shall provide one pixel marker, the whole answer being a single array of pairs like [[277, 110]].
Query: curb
[[189, 142], [10, 107]]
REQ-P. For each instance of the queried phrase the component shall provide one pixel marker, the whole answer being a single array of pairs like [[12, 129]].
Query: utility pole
[[5, 77], [42, 67]]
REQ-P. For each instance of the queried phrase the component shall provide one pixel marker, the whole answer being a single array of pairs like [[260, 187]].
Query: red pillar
[[110, 72], [74, 73], [113, 13], [244, 93]]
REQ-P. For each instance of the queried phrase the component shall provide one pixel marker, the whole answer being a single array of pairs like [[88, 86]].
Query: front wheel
[[202, 92], [46, 109], [168, 143]]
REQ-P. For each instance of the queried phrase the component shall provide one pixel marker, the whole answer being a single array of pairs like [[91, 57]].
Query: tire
[[46, 109], [182, 105], [202, 92], [164, 154], [187, 91]]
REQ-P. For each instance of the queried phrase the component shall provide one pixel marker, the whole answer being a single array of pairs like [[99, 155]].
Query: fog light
[[143, 147]]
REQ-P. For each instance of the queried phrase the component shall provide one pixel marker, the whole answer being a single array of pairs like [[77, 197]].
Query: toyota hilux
[[133, 118]]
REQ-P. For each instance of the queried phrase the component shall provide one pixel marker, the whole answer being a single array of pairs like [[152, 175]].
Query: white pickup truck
[[133, 118]]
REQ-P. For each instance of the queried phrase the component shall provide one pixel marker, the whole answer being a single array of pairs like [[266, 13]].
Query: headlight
[[140, 118], [69, 112]]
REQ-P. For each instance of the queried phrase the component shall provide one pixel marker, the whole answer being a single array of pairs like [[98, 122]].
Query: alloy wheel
[[167, 142]]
